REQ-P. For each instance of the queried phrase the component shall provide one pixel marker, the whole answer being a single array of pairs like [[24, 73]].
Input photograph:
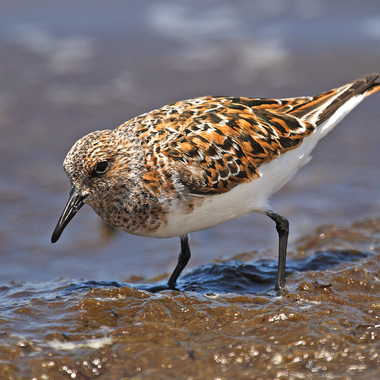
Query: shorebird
[[197, 163]]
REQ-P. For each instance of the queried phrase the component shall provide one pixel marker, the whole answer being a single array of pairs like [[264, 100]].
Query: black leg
[[282, 227], [183, 259]]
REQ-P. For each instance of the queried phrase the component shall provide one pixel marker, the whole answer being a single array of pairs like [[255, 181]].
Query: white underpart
[[251, 197]]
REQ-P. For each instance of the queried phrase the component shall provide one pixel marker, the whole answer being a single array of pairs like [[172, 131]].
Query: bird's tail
[[321, 107]]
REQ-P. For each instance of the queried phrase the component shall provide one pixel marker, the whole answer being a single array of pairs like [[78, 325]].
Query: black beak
[[75, 202]]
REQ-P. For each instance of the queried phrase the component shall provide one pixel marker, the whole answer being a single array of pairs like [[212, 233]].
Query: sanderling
[[197, 163]]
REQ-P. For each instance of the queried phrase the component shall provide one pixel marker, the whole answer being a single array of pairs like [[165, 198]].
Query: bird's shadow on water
[[236, 276]]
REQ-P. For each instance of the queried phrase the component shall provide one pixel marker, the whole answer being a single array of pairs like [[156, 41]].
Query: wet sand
[[326, 324], [70, 310]]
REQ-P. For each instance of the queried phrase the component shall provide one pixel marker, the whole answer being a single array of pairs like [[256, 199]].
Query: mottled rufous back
[[215, 143]]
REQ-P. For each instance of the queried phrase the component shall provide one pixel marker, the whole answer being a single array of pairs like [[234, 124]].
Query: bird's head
[[92, 164]]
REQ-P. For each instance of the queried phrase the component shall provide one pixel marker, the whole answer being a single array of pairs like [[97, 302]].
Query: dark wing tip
[[373, 85]]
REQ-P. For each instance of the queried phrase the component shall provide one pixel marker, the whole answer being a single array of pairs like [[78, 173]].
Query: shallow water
[[227, 323], [67, 310]]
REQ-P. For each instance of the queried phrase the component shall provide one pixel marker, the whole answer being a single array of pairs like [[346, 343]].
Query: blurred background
[[69, 68]]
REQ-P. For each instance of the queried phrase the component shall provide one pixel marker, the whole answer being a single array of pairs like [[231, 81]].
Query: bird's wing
[[216, 143], [227, 139]]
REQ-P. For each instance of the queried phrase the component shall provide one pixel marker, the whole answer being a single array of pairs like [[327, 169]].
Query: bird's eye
[[101, 167]]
